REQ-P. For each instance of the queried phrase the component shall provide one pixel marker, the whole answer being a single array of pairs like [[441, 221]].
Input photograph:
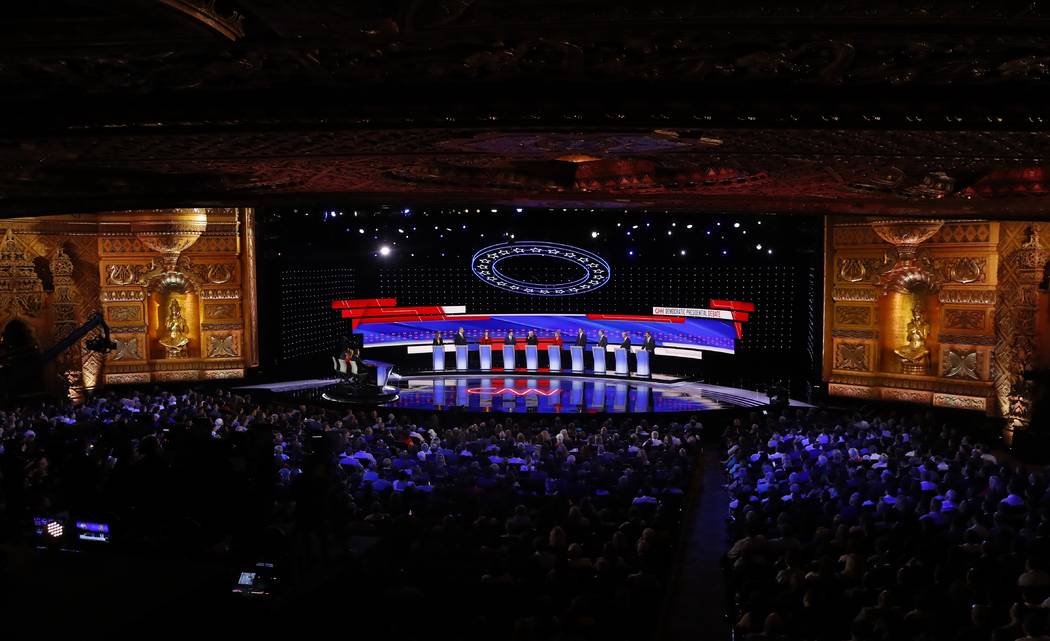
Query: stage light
[[519, 210], [668, 232], [736, 225], [630, 252], [758, 246], [689, 226], [400, 231], [682, 252], [360, 231], [634, 227], [725, 252], [769, 251], [384, 251], [594, 234]]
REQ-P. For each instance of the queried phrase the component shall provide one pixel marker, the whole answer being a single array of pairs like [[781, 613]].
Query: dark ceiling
[[930, 108]]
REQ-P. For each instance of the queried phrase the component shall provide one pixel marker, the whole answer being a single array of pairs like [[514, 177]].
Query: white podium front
[[642, 367], [554, 357], [576, 353], [532, 358], [621, 361], [599, 359], [439, 358], [508, 357], [485, 356], [461, 357]]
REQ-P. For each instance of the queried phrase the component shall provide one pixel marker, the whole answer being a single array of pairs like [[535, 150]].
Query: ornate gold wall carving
[[1023, 255], [960, 363], [114, 267], [964, 318], [950, 270], [854, 294], [223, 346], [852, 356], [967, 296]]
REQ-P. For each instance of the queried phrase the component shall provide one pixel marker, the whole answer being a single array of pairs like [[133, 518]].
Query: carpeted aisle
[[697, 609]]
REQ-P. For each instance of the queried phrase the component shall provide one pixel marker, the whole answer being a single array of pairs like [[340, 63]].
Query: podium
[[599, 359], [554, 357], [485, 356], [439, 358], [642, 365], [508, 357], [461, 357], [621, 361], [532, 358], [576, 353]]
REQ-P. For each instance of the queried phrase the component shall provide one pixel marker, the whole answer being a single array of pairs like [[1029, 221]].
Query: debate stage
[[541, 393]]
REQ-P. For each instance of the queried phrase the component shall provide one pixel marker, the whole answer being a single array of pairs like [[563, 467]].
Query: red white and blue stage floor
[[540, 393]]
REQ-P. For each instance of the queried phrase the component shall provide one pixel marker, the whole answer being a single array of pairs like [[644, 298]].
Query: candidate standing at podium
[[557, 338], [626, 344], [603, 342], [461, 339], [509, 340], [531, 338], [437, 339], [581, 338], [649, 345], [486, 339]]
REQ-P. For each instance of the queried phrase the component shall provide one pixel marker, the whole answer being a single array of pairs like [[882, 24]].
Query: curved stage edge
[[534, 392]]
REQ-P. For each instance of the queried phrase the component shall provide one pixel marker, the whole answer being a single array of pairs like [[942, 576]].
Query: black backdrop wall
[[314, 255]]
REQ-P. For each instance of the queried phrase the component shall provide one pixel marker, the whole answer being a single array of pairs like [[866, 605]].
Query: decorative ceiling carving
[[811, 106]]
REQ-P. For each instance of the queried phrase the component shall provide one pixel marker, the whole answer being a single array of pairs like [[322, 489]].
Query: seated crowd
[[870, 527], [546, 527]]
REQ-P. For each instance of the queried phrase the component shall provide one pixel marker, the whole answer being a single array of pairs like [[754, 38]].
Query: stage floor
[[543, 394]]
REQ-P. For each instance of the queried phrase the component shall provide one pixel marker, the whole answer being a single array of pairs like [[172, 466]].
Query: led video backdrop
[[628, 263]]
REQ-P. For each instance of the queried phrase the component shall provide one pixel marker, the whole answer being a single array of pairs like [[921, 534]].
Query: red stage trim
[[635, 317], [399, 319], [737, 307], [734, 305], [353, 303]]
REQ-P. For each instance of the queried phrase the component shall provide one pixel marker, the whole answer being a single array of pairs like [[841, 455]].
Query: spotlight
[[689, 226], [758, 246], [736, 225], [594, 234], [682, 253], [519, 210], [384, 251], [360, 231], [630, 252], [769, 251]]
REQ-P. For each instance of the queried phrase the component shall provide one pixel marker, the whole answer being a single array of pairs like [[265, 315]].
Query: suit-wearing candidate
[[581, 339], [460, 338], [532, 339]]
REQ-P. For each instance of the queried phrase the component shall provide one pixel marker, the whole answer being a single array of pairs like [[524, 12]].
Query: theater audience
[[881, 527], [531, 528]]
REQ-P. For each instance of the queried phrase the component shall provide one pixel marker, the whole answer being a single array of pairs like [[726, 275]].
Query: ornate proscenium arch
[[596, 271]]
